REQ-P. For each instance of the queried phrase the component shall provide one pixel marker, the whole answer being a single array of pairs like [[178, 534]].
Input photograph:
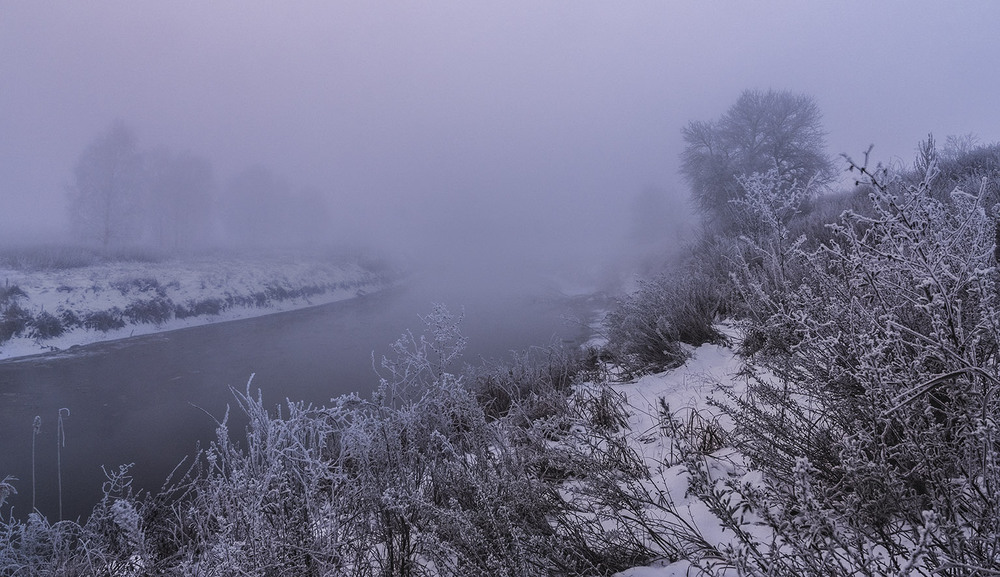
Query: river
[[148, 400]]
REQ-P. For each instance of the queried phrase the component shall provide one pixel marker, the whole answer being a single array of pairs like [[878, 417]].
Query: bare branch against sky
[[515, 127]]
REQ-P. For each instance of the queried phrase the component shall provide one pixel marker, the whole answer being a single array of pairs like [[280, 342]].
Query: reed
[[60, 443], [36, 427]]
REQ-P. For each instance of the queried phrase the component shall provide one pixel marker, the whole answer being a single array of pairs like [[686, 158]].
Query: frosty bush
[[648, 329], [877, 425], [962, 165], [45, 325], [155, 310], [10, 293], [533, 385], [104, 321], [69, 319], [414, 481], [110, 542], [14, 321]]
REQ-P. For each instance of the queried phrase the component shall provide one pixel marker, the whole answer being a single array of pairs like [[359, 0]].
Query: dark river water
[[147, 400]]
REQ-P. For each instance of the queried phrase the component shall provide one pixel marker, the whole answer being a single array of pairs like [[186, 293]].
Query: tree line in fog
[[123, 194]]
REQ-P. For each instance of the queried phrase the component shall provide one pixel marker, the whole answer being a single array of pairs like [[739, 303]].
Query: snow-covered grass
[[110, 300], [684, 392]]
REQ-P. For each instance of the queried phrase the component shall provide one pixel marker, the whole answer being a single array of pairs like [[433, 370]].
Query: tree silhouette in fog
[[105, 194], [761, 132]]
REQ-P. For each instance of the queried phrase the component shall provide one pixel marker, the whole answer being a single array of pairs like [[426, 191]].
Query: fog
[[513, 135]]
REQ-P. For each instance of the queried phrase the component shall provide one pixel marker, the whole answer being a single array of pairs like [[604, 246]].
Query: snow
[[686, 388], [102, 287], [679, 569]]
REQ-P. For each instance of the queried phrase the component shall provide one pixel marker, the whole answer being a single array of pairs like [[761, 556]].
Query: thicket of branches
[[877, 424], [872, 403], [868, 326]]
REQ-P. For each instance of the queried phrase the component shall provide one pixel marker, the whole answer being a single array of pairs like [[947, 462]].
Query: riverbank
[[51, 309]]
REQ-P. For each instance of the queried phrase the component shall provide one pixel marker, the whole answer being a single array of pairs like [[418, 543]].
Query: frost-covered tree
[[761, 132], [106, 190], [959, 145]]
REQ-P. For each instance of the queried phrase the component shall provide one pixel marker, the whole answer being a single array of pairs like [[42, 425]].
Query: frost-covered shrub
[[110, 542], [259, 505], [967, 169], [69, 318], [691, 433], [203, 307], [818, 215], [155, 310], [259, 299], [533, 384], [104, 321], [648, 329], [459, 498], [602, 408], [207, 306], [14, 321], [10, 293], [183, 312], [45, 325]]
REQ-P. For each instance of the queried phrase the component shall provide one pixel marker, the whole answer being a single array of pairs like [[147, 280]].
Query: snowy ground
[[684, 389], [227, 288]]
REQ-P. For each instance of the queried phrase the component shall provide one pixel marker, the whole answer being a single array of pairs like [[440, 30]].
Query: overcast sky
[[537, 122]]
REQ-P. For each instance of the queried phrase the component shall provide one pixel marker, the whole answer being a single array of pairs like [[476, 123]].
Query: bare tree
[[959, 145], [761, 132], [105, 193]]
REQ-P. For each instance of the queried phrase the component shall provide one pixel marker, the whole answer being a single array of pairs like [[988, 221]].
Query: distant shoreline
[[47, 311]]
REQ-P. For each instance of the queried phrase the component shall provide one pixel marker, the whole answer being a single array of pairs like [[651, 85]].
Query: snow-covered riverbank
[[685, 391], [54, 309]]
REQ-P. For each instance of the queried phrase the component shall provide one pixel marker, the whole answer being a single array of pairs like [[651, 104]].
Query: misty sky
[[536, 122]]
